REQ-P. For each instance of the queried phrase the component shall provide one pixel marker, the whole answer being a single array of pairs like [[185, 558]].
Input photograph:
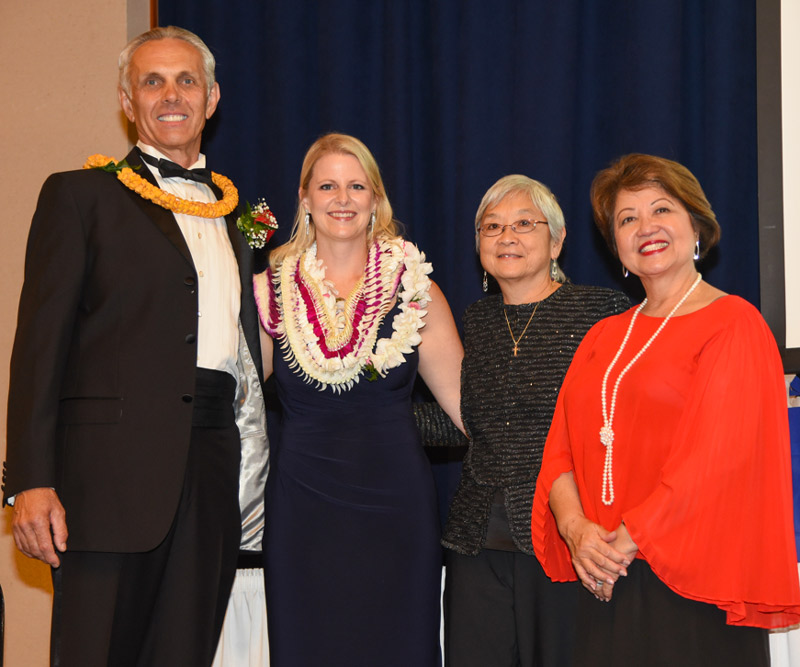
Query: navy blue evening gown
[[351, 547]]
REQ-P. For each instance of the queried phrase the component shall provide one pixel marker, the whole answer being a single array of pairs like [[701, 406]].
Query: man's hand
[[40, 525]]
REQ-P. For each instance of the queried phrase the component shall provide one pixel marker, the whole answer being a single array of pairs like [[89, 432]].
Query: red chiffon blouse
[[701, 462]]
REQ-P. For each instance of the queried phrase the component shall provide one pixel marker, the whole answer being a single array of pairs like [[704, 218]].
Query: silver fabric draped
[[251, 418]]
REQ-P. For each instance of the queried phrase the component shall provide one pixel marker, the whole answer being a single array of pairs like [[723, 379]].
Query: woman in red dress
[[665, 485]]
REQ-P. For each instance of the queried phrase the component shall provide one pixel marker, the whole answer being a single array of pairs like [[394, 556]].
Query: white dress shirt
[[219, 287]]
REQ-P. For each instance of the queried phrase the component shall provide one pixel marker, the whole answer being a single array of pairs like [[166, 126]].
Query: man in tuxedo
[[135, 381]]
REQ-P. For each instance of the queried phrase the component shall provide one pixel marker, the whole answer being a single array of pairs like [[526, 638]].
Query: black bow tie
[[169, 169]]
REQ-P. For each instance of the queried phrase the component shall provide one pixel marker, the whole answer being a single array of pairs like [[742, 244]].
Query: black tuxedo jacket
[[103, 364]]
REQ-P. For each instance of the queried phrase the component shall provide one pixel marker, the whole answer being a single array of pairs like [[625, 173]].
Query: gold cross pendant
[[515, 350]]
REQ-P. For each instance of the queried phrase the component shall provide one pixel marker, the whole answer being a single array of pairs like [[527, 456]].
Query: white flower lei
[[394, 268]]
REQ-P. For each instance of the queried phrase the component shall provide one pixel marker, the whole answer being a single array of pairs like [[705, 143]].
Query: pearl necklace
[[607, 432]]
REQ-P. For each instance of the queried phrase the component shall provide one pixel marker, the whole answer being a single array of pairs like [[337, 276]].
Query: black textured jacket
[[507, 402]]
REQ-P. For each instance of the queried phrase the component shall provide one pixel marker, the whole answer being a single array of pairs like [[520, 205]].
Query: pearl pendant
[[607, 432]]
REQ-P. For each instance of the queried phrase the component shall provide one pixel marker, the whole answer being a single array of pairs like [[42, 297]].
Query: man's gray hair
[[168, 32]]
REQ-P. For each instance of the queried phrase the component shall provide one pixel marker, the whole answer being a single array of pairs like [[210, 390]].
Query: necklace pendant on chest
[[514, 340], [607, 430]]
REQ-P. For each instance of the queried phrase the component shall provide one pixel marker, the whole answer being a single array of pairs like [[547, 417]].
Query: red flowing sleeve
[[549, 547], [718, 526]]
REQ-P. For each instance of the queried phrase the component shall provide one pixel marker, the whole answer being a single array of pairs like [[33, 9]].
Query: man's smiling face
[[169, 101]]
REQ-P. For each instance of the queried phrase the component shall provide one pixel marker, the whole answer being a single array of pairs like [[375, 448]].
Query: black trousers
[[164, 607], [501, 610], [646, 624]]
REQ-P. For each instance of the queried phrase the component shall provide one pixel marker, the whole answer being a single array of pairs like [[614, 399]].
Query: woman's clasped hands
[[599, 556]]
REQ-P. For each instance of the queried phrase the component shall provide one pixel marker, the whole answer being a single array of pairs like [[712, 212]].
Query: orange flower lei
[[143, 188]]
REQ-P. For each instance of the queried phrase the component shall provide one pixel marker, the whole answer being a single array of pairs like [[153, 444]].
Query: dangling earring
[[553, 270], [624, 271], [307, 219], [485, 282], [371, 224], [697, 250]]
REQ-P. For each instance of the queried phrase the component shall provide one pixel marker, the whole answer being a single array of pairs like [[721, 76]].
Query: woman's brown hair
[[637, 171]]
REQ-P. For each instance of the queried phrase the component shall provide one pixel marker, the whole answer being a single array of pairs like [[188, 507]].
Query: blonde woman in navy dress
[[349, 316]]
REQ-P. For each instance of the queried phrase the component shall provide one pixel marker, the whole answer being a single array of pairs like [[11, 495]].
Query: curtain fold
[[451, 95]]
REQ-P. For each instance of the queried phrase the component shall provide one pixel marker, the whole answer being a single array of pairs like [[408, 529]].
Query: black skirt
[[646, 624]]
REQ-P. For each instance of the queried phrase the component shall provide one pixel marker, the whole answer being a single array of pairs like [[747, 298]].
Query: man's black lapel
[[161, 217]]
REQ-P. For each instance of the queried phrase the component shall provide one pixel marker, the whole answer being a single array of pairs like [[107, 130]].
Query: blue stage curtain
[[450, 95]]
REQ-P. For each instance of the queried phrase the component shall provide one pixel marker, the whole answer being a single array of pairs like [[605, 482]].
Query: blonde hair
[[541, 197], [337, 144]]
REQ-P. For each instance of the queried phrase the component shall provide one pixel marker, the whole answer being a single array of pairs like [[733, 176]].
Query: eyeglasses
[[518, 227]]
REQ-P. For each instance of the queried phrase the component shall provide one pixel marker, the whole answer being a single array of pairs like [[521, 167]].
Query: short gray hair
[[168, 32], [540, 195]]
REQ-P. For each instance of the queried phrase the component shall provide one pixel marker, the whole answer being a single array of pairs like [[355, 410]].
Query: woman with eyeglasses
[[500, 607]]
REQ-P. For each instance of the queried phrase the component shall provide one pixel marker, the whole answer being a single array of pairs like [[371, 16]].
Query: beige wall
[[58, 78]]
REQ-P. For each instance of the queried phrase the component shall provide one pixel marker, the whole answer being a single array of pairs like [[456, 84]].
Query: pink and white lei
[[333, 346]]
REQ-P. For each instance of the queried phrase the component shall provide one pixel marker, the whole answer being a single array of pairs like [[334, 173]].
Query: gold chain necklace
[[522, 335], [143, 188]]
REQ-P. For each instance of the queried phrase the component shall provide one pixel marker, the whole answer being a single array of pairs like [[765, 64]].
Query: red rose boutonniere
[[257, 223]]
